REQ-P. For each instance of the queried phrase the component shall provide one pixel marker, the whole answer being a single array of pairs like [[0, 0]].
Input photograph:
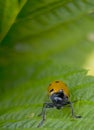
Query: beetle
[[59, 95]]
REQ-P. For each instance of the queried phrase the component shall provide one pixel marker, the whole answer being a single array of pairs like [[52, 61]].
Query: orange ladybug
[[59, 95]]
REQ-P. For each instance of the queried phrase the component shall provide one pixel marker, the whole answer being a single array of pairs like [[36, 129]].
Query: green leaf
[[50, 19], [22, 104], [8, 12], [53, 30]]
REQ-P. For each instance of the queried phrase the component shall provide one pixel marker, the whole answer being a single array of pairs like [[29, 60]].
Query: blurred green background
[[42, 41]]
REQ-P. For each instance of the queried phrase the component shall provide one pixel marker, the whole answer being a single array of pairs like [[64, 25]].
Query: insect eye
[[51, 90]]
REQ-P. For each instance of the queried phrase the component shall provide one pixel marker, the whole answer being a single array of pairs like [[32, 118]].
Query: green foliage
[[22, 104], [42, 41], [8, 12]]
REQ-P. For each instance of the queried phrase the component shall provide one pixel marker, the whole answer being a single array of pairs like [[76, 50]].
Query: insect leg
[[72, 109], [43, 113]]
